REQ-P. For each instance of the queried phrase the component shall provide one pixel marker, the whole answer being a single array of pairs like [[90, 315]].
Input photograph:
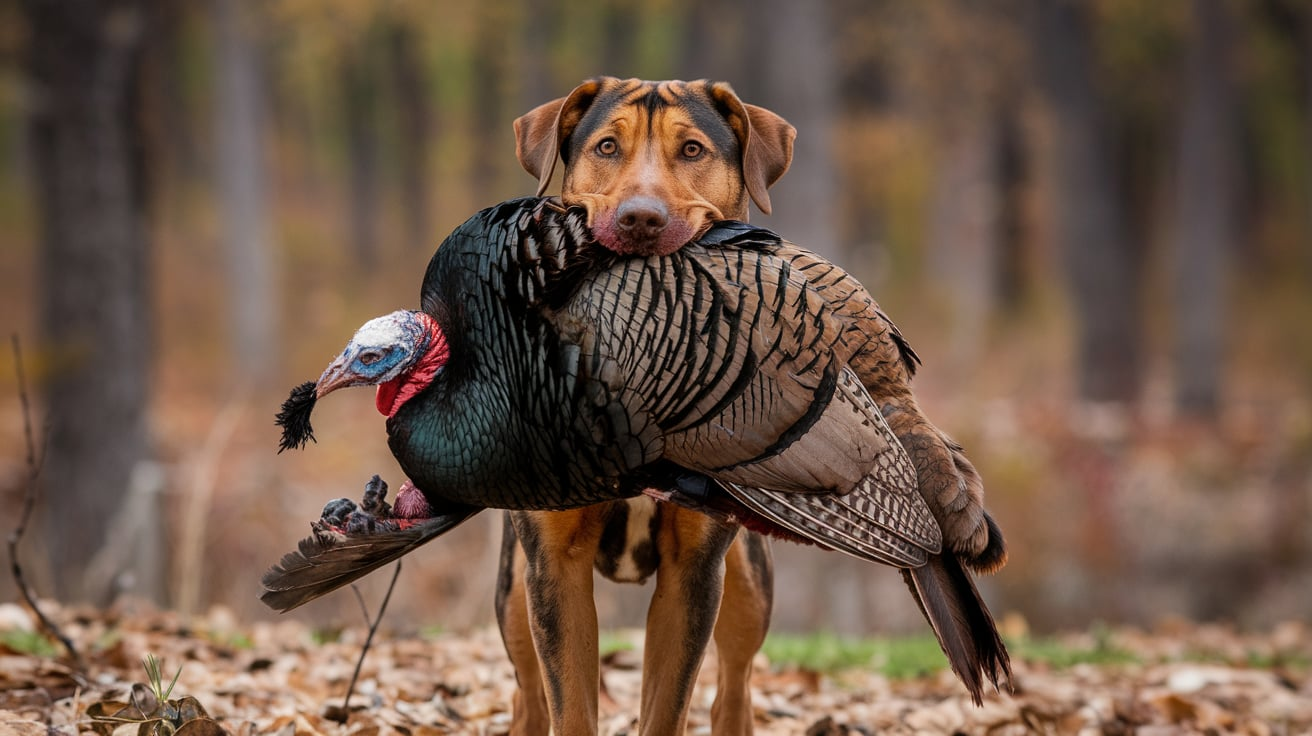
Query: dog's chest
[[628, 551]]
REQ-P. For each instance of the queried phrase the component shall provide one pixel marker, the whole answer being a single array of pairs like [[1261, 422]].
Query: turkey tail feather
[[962, 623], [327, 560], [994, 555]]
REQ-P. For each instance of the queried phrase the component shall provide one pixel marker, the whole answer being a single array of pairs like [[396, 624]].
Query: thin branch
[[197, 506], [29, 503], [364, 607], [373, 627]]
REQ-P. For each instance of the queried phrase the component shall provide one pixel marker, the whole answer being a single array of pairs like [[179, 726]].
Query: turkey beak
[[337, 375]]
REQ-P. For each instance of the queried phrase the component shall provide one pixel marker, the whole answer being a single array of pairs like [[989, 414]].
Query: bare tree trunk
[[960, 78], [964, 224], [83, 58], [1014, 269], [537, 85], [801, 84], [415, 122], [360, 112], [1205, 214], [621, 21], [1305, 49], [243, 193], [1102, 264], [491, 141], [172, 117], [712, 42]]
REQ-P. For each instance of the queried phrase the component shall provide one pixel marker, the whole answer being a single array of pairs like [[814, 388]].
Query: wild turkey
[[735, 376]]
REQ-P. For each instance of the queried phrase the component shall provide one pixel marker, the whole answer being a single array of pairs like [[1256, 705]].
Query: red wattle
[[394, 393], [385, 399]]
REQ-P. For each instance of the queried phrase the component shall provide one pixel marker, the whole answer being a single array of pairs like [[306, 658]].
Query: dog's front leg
[[560, 548], [529, 715], [689, 584], [740, 630]]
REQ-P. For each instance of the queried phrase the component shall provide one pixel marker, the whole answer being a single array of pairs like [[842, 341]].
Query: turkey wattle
[[741, 375]]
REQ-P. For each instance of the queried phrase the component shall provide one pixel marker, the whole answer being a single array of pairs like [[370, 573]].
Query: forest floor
[[286, 678]]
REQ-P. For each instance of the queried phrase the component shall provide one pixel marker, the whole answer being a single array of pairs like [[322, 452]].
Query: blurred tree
[[1206, 219], [87, 156], [964, 238], [1305, 62], [800, 84], [170, 112], [492, 144], [866, 93], [415, 133], [1102, 263], [538, 22], [968, 93], [622, 21], [1273, 59], [711, 41], [1015, 269], [243, 191], [360, 109]]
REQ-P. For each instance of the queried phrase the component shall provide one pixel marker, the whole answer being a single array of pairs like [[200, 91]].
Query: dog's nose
[[642, 218]]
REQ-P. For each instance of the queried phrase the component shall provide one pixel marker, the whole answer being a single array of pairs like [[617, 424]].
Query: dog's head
[[655, 163]]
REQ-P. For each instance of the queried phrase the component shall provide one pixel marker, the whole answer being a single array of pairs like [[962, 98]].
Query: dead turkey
[[741, 375]]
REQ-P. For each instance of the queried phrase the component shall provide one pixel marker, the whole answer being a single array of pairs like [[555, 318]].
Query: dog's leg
[[740, 631], [689, 582], [560, 548], [529, 716]]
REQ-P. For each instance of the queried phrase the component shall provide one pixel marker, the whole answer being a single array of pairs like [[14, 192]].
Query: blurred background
[[1092, 219]]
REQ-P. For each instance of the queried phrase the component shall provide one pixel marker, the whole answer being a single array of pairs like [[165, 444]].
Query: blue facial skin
[[374, 364], [382, 349]]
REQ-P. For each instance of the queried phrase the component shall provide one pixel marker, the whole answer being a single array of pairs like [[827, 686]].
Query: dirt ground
[[285, 678]]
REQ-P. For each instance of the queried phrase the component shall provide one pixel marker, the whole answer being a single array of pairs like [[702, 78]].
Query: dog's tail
[[962, 623]]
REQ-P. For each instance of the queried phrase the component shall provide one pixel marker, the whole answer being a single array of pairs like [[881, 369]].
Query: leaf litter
[[282, 678]]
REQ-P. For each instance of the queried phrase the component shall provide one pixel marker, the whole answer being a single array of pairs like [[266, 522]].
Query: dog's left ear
[[540, 132], [766, 140]]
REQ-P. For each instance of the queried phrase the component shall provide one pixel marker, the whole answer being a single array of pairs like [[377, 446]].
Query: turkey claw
[[336, 511], [343, 517], [374, 493]]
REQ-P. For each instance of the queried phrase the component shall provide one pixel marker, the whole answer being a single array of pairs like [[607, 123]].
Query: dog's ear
[[766, 140], [768, 153], [540, 132]]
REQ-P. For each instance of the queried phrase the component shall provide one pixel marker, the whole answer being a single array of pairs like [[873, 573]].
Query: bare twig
[[373, 627], [29, 503], [189, 571]]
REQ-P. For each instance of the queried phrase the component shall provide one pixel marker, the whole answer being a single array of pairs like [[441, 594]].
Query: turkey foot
[[374, 514]]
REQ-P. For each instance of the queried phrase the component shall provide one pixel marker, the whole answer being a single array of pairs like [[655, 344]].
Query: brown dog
[[654, 164]]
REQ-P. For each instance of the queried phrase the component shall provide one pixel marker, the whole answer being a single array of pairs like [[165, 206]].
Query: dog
[[654, 164]]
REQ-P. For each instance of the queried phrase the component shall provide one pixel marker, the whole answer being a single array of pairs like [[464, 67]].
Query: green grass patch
[[326, 635], [232, 639], [901, 657], [1253, 659], [29, 642], [917, 656], [1279, 660], [1061, 655], [609, 642]]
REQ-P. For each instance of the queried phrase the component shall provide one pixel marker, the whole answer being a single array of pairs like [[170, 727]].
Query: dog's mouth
[[668, 240], [649, 232]]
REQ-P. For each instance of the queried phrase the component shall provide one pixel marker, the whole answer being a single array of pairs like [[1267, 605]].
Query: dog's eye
[[692, 149], [608, 147]]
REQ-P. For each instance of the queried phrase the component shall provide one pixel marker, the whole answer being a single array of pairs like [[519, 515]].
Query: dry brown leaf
[[12, 724], [461, 683]]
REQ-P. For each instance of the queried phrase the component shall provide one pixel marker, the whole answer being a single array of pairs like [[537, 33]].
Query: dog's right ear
[[766, 140], [541, 132]]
